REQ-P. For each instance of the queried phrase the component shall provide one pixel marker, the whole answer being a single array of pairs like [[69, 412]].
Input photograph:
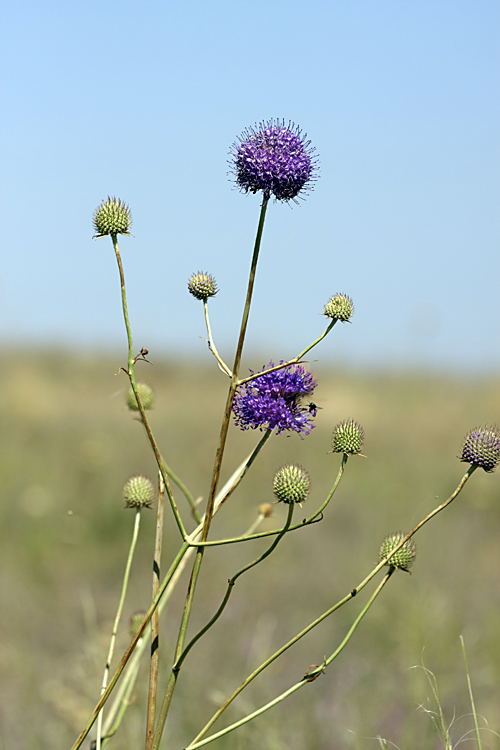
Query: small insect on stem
[[312, 672], [142, 356]]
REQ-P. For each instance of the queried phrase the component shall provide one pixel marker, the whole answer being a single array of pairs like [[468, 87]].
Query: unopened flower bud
[[291, 484], [347, 437], [482, 448], [404, 557], [112, 217], [202, 286], [145, 394], [139, 492], [339, 307]]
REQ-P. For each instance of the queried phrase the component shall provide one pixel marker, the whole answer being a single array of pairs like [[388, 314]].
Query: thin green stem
[[122, 699], [116, 623], [296, 360], [308, 677], [131, 374], [471, 696], [230, 587], [222, 365], [306, 522]]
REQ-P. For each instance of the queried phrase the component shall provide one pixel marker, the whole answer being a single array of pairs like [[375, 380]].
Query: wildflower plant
[[275, 160]]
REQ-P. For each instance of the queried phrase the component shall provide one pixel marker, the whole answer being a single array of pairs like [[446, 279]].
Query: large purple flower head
[[275, 158], [274, 401]]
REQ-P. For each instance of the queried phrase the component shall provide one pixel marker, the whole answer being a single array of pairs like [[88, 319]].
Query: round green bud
[[404, 557], [347, 437], [291, 484], [146, 395], [136, 621], [139, 492], [339, 307], [202, 286], [112, 217], [481, 447]]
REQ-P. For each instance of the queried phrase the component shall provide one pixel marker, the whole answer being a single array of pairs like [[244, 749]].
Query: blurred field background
[[68, 444]]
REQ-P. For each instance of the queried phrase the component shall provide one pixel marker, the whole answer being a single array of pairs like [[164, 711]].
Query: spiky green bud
[[112, 217], [139, 492], [146, 395], [291, 484], [347, 437], [404, 558], [339, 307], [481, 447], [202, 286]]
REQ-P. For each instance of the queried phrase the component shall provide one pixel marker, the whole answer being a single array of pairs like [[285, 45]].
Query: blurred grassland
[[68, 444]]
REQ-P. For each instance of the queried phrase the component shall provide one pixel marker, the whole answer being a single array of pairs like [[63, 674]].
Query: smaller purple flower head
[[481, 447], [274, 401], [275, 158]]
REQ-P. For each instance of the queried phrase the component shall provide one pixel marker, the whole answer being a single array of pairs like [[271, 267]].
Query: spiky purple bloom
[[275, 158], [482, 448], [274, 401]]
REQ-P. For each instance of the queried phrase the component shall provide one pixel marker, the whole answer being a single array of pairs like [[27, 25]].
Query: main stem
[[215, 481]]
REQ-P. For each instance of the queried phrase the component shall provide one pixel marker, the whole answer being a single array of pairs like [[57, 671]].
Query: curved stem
[[295, 361], [131, 374], [230, 586], [211, 345], [118, 618], [306, 522], [308, 677]]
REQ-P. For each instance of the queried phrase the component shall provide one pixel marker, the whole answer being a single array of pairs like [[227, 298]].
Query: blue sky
[[143, 101]]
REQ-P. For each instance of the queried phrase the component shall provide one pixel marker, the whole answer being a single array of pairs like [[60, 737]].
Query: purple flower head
[[275, 158], [273, 401]]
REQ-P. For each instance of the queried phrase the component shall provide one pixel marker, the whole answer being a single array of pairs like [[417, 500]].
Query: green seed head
[[347, 437], [404, 557], [112, 217], [202, 286], [145, 394], [139, 492], [291, 484], [339, 307]]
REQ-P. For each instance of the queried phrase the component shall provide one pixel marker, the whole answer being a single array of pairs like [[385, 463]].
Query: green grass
[[67, 445]]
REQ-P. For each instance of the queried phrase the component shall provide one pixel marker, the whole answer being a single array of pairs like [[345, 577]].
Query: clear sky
[[143, 100]]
